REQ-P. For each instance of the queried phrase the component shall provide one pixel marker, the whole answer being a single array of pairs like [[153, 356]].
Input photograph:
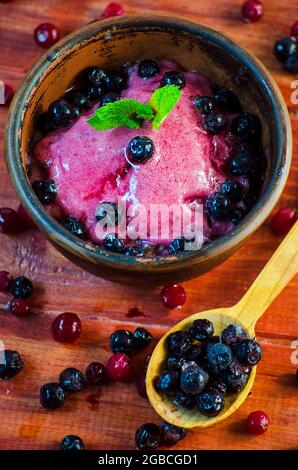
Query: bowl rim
[[87, 250]]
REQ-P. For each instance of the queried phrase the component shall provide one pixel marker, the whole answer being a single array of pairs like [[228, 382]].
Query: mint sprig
[[131, 113]]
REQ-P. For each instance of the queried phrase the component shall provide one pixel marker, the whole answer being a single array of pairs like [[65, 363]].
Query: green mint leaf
[[162, 101], [144, 111], [118, 114]]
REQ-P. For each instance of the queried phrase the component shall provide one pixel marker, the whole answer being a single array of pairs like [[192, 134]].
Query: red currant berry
[[66, 328], [283, 221], [113, 9], [294, 29], [252, 11], [5, 280], [19, 307], [173, 296], [46, 35], [257, 422], [119, 367], [10, 222]]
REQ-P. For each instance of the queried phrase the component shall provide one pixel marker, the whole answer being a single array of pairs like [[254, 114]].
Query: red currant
[[257, 422], [283, 221], [119, 367], [294, 29], [173, 296], [66, 328], [252, 11], [19, 307], [10, 222], [5, 280], [46, 35], [113, 9]]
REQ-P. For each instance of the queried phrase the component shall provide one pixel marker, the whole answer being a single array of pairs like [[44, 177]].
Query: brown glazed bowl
[[113, 42]]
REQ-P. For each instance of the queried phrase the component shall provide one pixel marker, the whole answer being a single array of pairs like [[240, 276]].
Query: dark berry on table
[[141, 338], [113, 243], [248, 351], [5, 280], [205, 104], [119, 367], [176, 246], [11, 364], [168, 382], [170, 434], [66, 328], [210, 403], [109, 213], [121, 341], [236, 215], [227, 100], [294, 29], [233, 190], [109, 98], [19, 307], [72, 442], [72, 380], [283, 221], [148, 68], [79, 100], [96, 76], [113, 9], [45, 190], [242, 163], [252, 11], [173, 77], [214, 123], [193, 380], [96, 373], [218, 206], [257, 422], [74, 226], [235, 376], [52, 396], [174, 361], [21, 287], [46, 35], [8, 95], [141, 386], [147, 436], [201, 330], [173, 296], [140, 149], [179, 342], [44, 123], [291, 64], [115, 80], [10, 221], [217, 384], [219, 356], [61, 113], [184, 400], [232, 333], [246, 126], [93, 92], [285, 48]]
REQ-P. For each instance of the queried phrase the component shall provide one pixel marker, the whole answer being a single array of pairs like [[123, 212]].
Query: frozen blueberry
[[179, 342], [61, 113], [227, 100], [235, 376], [168, 382], [133, 250], [291, 64], [176, 246], [52, 396], [140, 149], [115, 80], [96, 76], [217, 384], [11, 364], [148, 68], [21, 287], [45, 190], [193, 380], [175, 361], [246, 126], [248, 351], [236, 215], [219, 356], [218, 206], [184, 400], [233, 190], [75, 227], [285, 48], [214, 123], [72, 380], [210, 403], [141, 338], [72, 442], [242, 163], [121, 341], [147, 436], [110, 97], [195, 353], [232, 333], [201, 330], [113, 243], [44, 123], [170, 434], [173, 77], [79, 100], [93, 93], [205, 104]]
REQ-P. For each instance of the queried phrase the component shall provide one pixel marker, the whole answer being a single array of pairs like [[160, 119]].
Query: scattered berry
[[170, 434], [179, 342], [140, 149], [173, 296], [257, 422], [72, 442], [12, 364], [72, 380], [210, 403], [214, 123], [147, 436], [219, 357], [75, 227], [252, 11], [10, 222], [205, 104], [8, 95], [46, 35], [233, 190], [246, 126], [148, 68], [227, 100], [113, 243], [285, 48], [248, 351], [5, 280], [201, 330], [113, 9], [193, 380], [291, 64], [294, 30], [141, 386], [19, 307], [168, 382], [45, 190], [119, 367], [218, 206], [283, 221], [173, 78], [52, 396], [184, 400], [121, 341], [141, 338], [61, 113], [96, 373], [232, 333], [66, 328], [21, 287]]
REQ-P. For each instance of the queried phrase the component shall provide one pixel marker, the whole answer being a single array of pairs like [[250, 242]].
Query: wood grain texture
[[103, 306]]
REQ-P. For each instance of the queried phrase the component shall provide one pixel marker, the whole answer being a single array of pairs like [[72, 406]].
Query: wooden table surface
[[104, 306]]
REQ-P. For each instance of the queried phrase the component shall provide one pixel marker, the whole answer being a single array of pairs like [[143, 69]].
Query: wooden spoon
[[281, 268]]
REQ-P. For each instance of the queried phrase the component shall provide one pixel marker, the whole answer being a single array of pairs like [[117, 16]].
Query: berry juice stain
[[134, 312], [94, 400]]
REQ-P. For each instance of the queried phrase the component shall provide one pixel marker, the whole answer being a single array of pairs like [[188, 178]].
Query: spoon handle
[[279, 270]]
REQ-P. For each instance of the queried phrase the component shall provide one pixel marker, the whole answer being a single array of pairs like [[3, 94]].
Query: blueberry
[[246, 126], [233, 190], [93, 93], [109, 98], [201, 330], [113, 243], [176, 246], [227, 100], [205, 345], [79, 100], [140, 149], [232, 333], [175, 361], [248, 351], [121, 341], [235, 376], [242, 163], [109, 212], [193, 380], [72, 380], [184, 400], [148, 68], [141, 338], [12, 364], [179, 342], [134, 251], [214, 123], [218, 385], [173, 78], [210, 403], [285, 48], [236, 215], [45, 190], [52, 396], [147, 436], [21, 287], [44, 123], [96, 373], [291, 64], [115, 80], [170, 434], [168, 382], [96, 76], [194, 354], [61, 113], [219, 356], [72, 442], [205, 104], [75, 227], [218, 206]]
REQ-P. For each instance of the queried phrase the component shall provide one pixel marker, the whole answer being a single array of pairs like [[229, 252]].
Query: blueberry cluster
[[286, 51], [123, 341], [200, 368], [21, 288], [150, 435]]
